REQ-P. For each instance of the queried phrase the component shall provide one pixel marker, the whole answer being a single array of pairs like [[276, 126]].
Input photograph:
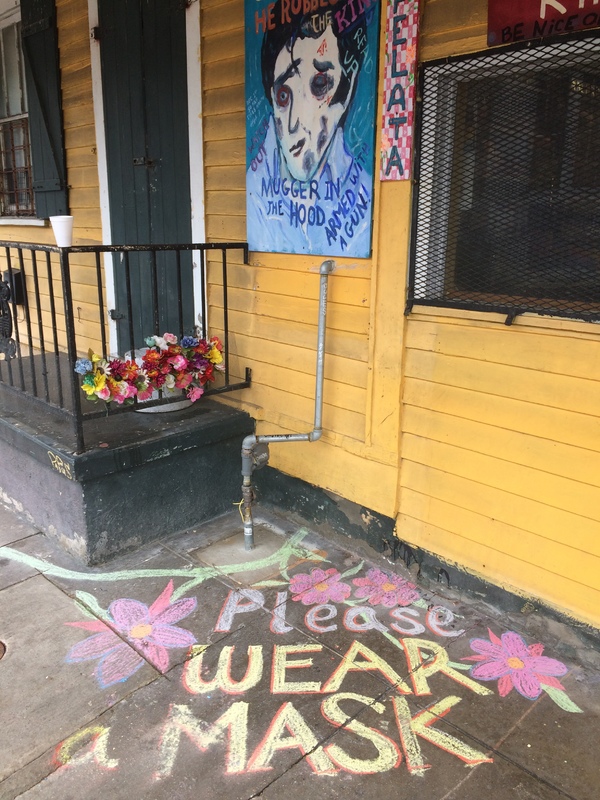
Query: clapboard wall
[[274, 307], [501, 425]]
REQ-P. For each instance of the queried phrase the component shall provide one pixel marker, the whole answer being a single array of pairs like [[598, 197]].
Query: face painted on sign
[[306, 111]]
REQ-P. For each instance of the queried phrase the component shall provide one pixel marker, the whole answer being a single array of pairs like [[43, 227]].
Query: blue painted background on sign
[[310, 140]]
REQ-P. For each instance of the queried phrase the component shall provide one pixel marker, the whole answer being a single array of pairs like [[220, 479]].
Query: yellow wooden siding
[[501, 425], [335, 466], [452, 27], [497, 565], [78, 117], [274, 308], [501, 447], [82, 168]]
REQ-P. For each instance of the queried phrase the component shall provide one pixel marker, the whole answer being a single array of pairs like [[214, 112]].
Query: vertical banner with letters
[[311, 102], [402, 32]]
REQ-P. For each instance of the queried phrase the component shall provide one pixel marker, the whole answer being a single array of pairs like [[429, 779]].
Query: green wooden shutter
[[42, 74]]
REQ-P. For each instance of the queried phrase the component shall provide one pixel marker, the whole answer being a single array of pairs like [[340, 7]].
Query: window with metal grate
[[507, 196]]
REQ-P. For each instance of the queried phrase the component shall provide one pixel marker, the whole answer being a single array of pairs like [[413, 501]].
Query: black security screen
[[507, 210]]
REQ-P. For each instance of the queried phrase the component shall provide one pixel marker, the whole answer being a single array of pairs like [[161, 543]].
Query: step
[[143, 477]]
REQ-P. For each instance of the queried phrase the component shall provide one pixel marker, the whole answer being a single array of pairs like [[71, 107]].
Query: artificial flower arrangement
[[168, 365]]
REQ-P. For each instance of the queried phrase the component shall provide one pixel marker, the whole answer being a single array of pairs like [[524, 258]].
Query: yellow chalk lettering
[[300, 737], [181, 720], [192, 672], [279, 684], [98, 741], [423, 668], [420, 726], [371, 662], [408, 738], [388, 755]]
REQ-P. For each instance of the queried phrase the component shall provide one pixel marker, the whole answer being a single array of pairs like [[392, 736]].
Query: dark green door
[[144, 76]]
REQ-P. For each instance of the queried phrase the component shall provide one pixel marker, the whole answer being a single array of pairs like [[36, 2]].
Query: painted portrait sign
[[311, 76]]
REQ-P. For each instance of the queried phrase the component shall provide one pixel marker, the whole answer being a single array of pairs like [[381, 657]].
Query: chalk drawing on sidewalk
[[360, 600], [85, 746], [513, 664], [150, 630]]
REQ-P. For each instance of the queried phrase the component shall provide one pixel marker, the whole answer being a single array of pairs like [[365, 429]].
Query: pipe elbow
[[247, 459], [315, 435], [249, 442]]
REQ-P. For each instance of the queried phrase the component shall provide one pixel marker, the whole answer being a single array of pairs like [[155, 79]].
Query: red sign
[[518, 20]]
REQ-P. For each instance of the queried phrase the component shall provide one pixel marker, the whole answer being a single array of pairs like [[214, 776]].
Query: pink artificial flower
[[104, 393], [320, 586], [512, 663], [179, 362], [195, 393], [183, 380], [146, 393], [124, 392], [386, 589], [170, 338], [149, 630]]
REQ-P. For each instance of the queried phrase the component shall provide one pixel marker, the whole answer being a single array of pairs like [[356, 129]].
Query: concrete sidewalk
[[310, 667]]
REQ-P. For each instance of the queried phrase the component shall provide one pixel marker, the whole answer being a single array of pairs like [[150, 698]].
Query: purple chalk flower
[[149, 630], [513, 664], [320, 586]]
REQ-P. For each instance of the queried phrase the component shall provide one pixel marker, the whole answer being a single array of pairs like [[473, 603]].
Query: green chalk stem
[[195, 575]]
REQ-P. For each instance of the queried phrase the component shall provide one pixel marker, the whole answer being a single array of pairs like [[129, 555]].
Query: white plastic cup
[[63, 230]]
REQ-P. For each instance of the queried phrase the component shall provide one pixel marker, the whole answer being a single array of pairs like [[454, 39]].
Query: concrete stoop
[[142, 475]]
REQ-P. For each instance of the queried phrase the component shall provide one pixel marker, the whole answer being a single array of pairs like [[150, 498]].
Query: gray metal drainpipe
[[255, 450]]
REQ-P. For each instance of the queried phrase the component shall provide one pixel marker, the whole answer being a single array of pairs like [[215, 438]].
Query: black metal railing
[[54, 307]]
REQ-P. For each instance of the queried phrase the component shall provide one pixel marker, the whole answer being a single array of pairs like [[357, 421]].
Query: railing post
[[65, 271]]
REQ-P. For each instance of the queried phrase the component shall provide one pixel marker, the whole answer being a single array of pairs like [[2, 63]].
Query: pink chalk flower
[[320, 586], [149, 632], [385, 589], [513, 664]]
